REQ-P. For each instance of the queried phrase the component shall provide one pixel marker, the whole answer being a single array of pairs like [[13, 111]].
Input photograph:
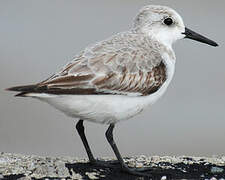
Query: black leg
[[109, 136], [80, 129]]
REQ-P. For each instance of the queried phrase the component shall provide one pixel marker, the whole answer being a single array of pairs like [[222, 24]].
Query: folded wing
[[125, 64]]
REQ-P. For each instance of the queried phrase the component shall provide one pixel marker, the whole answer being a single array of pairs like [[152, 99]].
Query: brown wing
[[142, 83], [125, 64]]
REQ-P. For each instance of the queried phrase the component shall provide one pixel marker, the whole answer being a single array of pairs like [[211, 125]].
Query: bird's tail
[[24, 89]]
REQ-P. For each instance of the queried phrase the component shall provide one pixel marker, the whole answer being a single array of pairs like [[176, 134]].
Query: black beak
[[195, 36]]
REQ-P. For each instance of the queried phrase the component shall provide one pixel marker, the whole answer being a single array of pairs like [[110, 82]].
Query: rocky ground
[[24, 167]]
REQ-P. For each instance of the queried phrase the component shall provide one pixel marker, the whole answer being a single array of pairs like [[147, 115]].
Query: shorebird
[[117, 78]]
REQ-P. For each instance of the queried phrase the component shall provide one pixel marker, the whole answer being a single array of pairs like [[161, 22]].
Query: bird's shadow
[[111, 170]]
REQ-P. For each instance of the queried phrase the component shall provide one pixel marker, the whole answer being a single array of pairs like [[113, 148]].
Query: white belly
[[105, 108]]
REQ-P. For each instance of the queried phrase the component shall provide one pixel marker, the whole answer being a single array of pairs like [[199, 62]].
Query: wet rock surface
[[26, 167]]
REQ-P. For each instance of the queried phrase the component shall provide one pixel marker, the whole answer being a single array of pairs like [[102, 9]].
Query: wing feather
[[124, 64]]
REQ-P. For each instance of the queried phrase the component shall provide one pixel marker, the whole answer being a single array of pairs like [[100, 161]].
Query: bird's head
[[166, 25]]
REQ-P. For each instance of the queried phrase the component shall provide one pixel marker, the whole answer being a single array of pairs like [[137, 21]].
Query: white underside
[[105, 109]]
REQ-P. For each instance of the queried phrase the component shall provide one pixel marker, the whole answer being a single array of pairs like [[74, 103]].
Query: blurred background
[[38, 37]]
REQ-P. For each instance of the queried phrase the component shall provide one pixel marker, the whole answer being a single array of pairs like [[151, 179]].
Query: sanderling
[[117, 78]]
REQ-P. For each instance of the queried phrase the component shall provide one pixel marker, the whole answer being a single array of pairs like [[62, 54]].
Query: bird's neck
[[158, 35], [162, 39], [165, 46]]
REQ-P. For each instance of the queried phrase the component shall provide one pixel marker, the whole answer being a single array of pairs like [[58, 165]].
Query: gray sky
[[38, 37]]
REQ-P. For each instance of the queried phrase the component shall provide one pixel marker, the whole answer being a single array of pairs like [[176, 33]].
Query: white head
[[164, 24]]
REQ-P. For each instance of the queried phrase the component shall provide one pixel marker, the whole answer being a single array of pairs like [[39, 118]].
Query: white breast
[[106, 108]]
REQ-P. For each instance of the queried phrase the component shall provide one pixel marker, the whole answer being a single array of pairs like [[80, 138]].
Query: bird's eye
[[168, 21]]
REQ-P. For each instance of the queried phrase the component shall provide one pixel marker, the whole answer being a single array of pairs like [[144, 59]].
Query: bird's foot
[[147, 172]]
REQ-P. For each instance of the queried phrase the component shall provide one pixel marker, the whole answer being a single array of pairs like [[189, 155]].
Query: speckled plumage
[[126, 63]]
